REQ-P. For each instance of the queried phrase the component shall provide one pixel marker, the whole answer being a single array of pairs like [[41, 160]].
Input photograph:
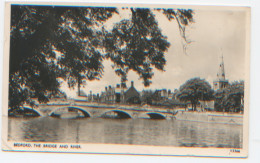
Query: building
[[163, 94], [120, 91], [220, 82], [109, 95], [131, 96], [158, 96], [120, 94]]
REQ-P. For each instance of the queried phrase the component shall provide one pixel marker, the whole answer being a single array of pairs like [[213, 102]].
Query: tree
[[138, 44], [31, 75], [50, 43], [194, 90], [80, 42], [230, 99], [147, 97]]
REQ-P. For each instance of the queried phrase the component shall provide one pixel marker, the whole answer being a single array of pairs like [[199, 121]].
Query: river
[[126, 131]]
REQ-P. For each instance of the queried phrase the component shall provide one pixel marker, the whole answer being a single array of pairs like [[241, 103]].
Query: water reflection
[[126, 131]]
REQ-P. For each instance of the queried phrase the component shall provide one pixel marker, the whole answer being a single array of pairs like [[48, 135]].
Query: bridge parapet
[[95, 111]]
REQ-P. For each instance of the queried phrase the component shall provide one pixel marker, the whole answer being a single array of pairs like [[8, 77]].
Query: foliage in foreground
[[50, 44]]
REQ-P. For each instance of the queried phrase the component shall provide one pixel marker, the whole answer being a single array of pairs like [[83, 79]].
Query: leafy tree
[[147, 97], [183, 18], [137, 43], [49, 43], [230, 99], [194, 90], [80, 42], [31, 74]]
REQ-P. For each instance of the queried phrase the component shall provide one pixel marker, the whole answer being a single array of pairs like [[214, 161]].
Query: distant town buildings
[[118, 94], [121, 94], [164, 94]]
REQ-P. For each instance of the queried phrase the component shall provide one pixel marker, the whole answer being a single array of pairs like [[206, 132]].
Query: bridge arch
[[26, 112], [155, 115], [26, 109], [120, 114], [85, 113]]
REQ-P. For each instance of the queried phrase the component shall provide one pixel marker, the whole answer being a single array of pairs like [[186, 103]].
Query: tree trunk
[[78, 88]]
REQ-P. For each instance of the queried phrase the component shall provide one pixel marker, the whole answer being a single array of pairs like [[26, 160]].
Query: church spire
[[221, 73], [220, 82]]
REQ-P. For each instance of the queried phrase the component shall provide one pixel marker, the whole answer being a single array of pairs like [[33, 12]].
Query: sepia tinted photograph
[[126, 79]]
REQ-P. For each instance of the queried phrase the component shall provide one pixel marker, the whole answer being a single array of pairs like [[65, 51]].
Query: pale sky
[[214, 32]]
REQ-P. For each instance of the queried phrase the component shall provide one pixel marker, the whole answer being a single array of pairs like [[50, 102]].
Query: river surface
[[126, 131]]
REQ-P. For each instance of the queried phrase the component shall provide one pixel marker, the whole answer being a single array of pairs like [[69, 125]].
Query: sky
[[214, 32]]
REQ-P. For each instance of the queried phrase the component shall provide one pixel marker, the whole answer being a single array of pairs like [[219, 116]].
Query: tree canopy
[[194, 90], [231, 98], [50, 43], [138, 44]]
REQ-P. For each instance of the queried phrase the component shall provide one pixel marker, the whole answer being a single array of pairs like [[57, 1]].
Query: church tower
[[220, 82]]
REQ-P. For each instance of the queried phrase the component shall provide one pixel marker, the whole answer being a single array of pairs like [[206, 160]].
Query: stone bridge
[[97, 110]]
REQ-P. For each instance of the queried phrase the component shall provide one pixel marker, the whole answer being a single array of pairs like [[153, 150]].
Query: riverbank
[[210, 117]]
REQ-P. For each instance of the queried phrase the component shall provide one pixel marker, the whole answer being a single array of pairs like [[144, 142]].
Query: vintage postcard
[[126, 79]]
